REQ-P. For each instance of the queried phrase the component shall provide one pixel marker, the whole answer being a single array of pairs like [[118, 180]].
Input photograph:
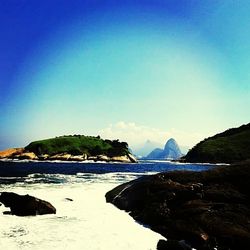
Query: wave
[[62, 173], [80, 177]]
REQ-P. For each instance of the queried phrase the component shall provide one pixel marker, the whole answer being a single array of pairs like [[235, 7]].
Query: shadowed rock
[[205, 209], [24, 205], [68, 199], [172, 245]]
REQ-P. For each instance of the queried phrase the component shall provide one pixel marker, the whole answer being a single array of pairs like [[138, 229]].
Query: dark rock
[[68, 199], [7, 212], [24, 205], [207, 210], [172, 245]]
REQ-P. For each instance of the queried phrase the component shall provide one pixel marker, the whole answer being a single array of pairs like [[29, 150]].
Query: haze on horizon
[[133, 70]]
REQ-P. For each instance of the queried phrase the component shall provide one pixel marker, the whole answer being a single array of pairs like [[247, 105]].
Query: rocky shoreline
[[202, 210], [22, 154]]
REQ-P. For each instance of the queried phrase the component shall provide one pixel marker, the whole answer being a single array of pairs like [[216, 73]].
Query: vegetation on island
[[77, 145], [233, 145]]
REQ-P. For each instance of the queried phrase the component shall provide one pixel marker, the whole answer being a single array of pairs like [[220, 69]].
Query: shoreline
[[114, 162], [86, 222], [186, 163], [183, 207], [65, 157], [66, 161]]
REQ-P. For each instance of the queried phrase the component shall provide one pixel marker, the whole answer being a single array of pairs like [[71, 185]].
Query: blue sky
[[133, 70]]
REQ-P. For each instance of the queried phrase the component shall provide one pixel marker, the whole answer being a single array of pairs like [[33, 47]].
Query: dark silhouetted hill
[[231, 146]]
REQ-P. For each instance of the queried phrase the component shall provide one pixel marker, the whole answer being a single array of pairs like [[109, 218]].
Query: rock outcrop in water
[[25, 205], [204, 210]]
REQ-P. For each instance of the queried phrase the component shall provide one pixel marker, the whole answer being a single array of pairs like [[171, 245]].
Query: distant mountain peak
[[171, 143], [146, 148], [171, 151], [171, 140]]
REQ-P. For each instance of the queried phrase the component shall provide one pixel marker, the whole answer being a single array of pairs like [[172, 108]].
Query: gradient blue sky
[[135, 70]]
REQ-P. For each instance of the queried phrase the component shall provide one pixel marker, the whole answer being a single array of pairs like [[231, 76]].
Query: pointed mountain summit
[[171, 151]]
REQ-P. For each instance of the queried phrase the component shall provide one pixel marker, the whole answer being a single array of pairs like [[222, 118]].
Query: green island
[[73, 148], [233, 145]]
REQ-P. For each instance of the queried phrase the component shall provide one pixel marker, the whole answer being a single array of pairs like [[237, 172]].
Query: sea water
[[77, 190]]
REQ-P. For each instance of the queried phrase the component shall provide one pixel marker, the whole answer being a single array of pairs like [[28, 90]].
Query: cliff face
[[231, 146], [170, 151]]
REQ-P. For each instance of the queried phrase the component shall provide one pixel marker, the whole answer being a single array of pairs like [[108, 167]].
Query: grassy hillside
[[78, 144], [230, 146]]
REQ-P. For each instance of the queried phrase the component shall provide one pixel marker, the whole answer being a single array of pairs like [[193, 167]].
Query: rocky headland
[[230, 146], [77, 148], [202, 210]]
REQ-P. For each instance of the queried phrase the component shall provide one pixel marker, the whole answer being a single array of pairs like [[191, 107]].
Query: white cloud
[[136, 135]]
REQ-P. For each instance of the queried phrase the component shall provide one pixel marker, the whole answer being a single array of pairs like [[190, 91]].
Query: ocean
[[77, 190]]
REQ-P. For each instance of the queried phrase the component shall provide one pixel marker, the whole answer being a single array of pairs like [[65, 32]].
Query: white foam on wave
[[155, 161], [63, 161], [200, 163], [88, 222], [182, 163]]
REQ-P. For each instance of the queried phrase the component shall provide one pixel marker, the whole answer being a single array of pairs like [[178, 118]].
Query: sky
[[133, 70]]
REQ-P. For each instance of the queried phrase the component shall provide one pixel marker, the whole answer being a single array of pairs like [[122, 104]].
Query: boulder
[[122, 158], [103, 158], [43, 156], [24, 205], [206, 210], [132, 158], [92, 158], [68, 199], [60, 157], [27, 156], [78, 157], [172, 245]]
